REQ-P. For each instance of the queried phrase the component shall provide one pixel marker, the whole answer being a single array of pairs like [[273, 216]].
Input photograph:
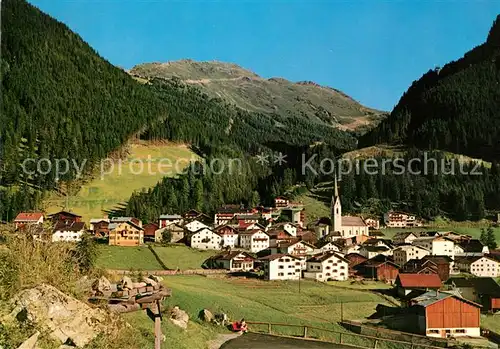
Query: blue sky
[[371, 50]]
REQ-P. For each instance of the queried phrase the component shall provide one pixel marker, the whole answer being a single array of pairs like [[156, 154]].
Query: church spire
[[336, 191]]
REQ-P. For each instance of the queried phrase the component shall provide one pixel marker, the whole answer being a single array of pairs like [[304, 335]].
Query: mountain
[[251, 92], [60, 100], [453, 108]]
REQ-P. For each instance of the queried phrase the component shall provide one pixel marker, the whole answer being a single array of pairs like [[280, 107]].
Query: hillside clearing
[[127, 258], [183, 257], [146, 164]]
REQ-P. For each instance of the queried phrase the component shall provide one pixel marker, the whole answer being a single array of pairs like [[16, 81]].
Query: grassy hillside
[[249, 91], [144, 166]]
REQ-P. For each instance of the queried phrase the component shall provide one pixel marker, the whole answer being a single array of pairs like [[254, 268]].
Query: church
[[342, 226]]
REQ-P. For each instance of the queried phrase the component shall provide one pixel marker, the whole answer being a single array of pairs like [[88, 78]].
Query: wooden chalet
[[380, 267]]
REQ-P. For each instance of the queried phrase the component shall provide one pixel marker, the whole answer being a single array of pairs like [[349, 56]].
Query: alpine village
[[277, 253]]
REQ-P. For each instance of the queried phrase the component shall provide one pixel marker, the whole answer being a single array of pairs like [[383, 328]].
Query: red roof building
[[27, 218], [406, 283]]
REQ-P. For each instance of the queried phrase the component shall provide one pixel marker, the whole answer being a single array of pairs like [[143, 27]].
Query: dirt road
[[262, 341]]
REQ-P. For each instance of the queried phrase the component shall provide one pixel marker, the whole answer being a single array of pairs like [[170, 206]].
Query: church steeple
[[336, 209]]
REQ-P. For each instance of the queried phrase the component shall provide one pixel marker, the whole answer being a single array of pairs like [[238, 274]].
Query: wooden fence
[[333, 336]]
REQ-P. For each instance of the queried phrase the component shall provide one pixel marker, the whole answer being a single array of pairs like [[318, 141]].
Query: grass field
[[183, 257], [255, 300], [144, 167], [127, 258]]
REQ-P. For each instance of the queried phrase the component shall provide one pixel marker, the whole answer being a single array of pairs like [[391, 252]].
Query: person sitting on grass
[[240, 326]]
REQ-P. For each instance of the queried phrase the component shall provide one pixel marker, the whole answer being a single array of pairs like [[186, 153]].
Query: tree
[[491, 239], [166, 237], [254, 199], [86, 253]]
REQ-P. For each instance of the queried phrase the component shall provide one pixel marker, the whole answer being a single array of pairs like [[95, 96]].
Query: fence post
[[269, 328], [305, 331], [340, 339], [375, 345]]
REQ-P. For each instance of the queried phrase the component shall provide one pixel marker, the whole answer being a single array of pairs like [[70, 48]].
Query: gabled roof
[[432, 297], [73, 226], [225, 226], [418, 281], [482, 285], [98, 220], [252, 232], [272, 257], [325, 242], [66, 213], [372, 248], [404, 235], [321, 257], [114, 225], [28, 217], [231, 255], [472, 245], [378, 261], [352, 221], [324, 221], [439, 259], [170, 216]]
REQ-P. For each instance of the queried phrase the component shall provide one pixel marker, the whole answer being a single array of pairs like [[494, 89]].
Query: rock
[[102, 285], [150, 282], [206, 315], [30, 343], [179, 317], [126, 283], [155, 278], [63, 317], [139, 284]]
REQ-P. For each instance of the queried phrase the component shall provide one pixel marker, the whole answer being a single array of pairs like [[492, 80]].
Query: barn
[[444, 314]]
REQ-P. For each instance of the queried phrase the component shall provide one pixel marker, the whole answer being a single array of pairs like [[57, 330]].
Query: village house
[[295, 248], [393, 219], [470, 247], [279, 236], [205, 239], [244, 220], [443, 263], [404, 253], [307, 236], [380, 267], [483, 290], [226, 213], [295, 213], [286, 226], [191, 214], [482, 266], [327, 266], [150, 231], [281, 202], [370, 251], [443, 314], [118, 220], [99, 227], [281, 267], [419, 266], [233, 261], [65, 217], [229, 235], [71, 232], [404, 238], [406, 283], [28, 218], [326, 246], [167, 219], [372, 223], [254, 240], [322, 227], [194, 226], [175, 230], [125, 234], [437, 245]]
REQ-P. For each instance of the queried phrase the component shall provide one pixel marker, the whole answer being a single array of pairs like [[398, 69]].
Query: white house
[[295, 248], [286, 226], [71, 232], [233, 261], [205, 239], [327, 266], [404, 238], [194, 225], [438, 245], [281, 267], [470, 247], [370, 251], [28, 218], [479, 266], [254, 240], [404, 253], [329, 246], [229, 235]]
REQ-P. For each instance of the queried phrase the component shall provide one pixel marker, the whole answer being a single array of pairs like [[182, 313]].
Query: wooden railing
[[334, 336]]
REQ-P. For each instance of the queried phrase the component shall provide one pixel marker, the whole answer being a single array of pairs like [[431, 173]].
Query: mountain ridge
[[276, 95]]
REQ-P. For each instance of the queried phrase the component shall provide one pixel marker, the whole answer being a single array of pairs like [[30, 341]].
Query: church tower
[[336, 210]]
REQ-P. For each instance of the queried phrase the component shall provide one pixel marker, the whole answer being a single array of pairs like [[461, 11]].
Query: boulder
[[206, 315], [126, 283], [155, 278], [179, 317], [102, 285], [63, 317], [30, 343], [150, 282]]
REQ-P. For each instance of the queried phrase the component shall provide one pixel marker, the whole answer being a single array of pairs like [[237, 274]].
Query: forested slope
[[456, 108]]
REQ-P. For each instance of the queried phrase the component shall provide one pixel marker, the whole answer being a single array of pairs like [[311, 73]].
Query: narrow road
[[262, 341]]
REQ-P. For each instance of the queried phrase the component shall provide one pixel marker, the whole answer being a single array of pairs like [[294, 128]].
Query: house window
[[461, 330], [280, 274], [281, 267]]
